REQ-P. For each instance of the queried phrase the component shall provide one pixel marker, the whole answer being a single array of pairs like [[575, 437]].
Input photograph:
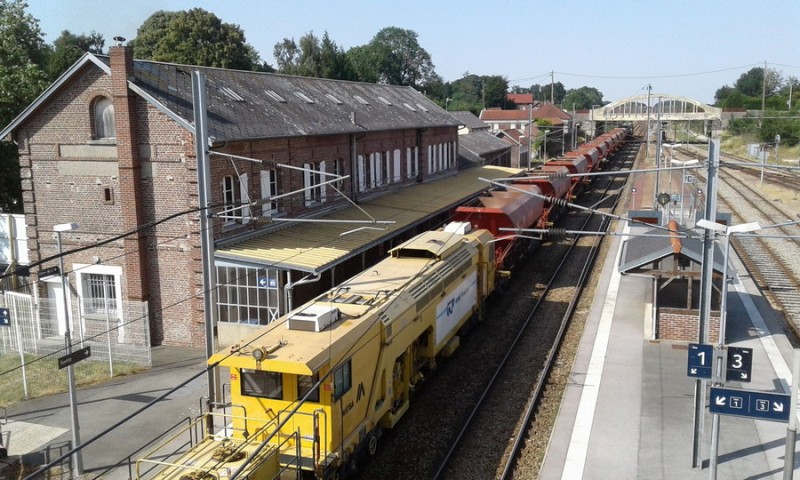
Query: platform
[[627, 412]]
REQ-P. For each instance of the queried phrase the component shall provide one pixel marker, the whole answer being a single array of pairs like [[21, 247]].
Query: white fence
[[35, 338]]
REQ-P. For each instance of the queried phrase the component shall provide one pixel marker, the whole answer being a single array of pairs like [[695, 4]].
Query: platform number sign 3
[[740, 364], [5, 317]]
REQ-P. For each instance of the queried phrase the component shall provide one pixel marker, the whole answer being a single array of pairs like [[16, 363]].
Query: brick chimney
[[129, 165]]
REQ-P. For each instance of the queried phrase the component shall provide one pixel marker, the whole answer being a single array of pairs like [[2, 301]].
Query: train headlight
[[259, 354]]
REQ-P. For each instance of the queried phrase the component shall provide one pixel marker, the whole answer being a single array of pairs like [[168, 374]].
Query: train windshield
[[259, 383]]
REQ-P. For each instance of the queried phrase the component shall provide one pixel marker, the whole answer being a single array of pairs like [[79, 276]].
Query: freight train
[[314, 390]]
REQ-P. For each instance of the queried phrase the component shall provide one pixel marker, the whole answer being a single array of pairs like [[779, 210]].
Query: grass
[[44, 377]]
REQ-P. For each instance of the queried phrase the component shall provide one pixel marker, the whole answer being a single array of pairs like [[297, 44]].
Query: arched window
[[103, 112]]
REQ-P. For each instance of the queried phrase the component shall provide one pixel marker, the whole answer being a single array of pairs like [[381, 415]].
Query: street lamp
[[447, 102], [77, 459], [728, 231]]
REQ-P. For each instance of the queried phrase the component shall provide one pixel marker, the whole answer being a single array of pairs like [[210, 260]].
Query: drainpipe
[[311, 278]]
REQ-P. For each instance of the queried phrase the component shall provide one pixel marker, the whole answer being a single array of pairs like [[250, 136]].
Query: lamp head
[[65, 227]]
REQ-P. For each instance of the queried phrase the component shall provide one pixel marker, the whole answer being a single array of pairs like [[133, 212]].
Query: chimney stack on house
[[129, 165]]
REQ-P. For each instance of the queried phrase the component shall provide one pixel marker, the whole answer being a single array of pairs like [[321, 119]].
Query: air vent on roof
[[361, 99], [408, 106], [304, 97], [382, 99], [275, 96], [422, 108], [231, 94], [314, 318], [334, 99]]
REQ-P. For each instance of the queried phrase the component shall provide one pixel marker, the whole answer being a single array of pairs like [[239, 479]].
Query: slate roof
[[246, 105], [473, 145], [469, 120]]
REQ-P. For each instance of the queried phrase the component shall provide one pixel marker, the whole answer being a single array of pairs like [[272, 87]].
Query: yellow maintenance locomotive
[[313, 390]]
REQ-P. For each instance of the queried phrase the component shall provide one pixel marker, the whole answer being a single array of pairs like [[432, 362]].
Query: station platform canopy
[[316, 247]]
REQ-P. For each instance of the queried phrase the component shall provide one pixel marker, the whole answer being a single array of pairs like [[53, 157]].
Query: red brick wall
[[682, 325], [165, 260]]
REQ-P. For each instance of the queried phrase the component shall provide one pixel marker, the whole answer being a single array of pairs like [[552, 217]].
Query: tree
[[542, 92], [23, 56], [195, 37], [394, 56], [751, 82], [312, 57], [494, 90], [583, 98], [68, 48]]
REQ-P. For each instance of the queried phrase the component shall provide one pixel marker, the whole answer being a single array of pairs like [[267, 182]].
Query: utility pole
[[647, 136], [763, 95], [552, 85]]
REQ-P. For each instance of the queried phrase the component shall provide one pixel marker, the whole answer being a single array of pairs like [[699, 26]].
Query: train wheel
[[372, 444]]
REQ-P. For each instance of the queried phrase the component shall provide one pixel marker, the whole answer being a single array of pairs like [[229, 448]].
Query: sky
[[679, 47]]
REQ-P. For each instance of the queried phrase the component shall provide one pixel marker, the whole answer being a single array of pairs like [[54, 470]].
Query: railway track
[[772, 257], [445, 402]]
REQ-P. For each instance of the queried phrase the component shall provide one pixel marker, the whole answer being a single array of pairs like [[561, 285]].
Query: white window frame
[[110, 270], [269, 189], [229, 200]]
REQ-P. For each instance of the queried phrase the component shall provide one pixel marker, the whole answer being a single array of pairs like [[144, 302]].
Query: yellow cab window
[[258, 383], [305, 384]]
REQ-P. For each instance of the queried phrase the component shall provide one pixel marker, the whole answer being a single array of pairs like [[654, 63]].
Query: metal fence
[[118, 337]]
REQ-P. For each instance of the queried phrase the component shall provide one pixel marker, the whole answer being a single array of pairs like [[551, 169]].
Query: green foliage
[[583, 98], [68, 48], [194, 37], [542, 92], [312, 57], [394, 56], [23, 58]]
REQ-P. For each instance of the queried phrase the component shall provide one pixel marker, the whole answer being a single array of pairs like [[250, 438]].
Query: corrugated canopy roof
[[316, 247], [644, 250]]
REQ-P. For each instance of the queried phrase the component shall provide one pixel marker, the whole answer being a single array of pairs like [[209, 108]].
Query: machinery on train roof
[[314, 390]]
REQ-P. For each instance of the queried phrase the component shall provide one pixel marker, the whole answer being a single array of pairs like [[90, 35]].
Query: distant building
[[469, 123]]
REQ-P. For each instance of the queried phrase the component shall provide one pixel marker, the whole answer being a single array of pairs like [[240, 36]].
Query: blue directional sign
[[748, 403], [701, 357], [264, 282], [5, 317], [740, 364]]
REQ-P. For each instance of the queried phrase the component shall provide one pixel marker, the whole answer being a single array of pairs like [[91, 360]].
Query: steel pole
[[705, 295], [77, 457], [791, 430]]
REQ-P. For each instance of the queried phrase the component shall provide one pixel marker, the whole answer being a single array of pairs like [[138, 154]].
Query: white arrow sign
[[744, 376], [777, 406], [720, 401], [694, 371]]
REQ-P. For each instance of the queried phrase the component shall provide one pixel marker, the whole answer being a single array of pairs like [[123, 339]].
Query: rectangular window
[[245, 198], [99, 293], [258, 383], [387, 167], [229, 195], [269, 189], [305, 384], [361, 164], [310, 183], [342, 380], [247, 295], [396, 177]]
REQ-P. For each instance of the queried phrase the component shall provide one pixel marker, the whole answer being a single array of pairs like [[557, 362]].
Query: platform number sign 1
[[740, 364], [701, 357], [5, 317]]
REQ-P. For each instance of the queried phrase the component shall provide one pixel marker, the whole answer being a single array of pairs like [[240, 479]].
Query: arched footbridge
[[670, 107]]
